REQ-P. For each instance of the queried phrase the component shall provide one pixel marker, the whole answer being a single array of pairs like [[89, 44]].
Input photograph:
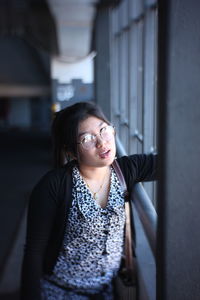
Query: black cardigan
[[47, 215]]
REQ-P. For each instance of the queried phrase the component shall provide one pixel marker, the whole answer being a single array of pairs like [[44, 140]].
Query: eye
[[107, 132], [87, 138], [104, 129]]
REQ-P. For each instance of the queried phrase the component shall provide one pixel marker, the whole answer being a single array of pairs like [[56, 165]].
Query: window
[[133, 42]]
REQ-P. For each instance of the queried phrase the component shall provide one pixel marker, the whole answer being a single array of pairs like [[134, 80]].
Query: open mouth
[[104, 154]]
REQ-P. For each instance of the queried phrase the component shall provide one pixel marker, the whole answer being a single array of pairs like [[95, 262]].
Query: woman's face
[[102, 150]]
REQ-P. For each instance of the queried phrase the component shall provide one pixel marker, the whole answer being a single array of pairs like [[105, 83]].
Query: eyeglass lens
[[106, 134]]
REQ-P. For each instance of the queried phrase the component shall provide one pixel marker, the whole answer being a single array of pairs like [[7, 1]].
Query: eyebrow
[[82, 133]]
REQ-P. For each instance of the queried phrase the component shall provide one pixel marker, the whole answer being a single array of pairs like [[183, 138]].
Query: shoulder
[[138, 167], [56, 174], [135, 159], [52, 181], [52, 176], [132, 161]]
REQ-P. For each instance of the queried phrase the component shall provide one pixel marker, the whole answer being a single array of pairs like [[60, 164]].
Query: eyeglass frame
[[95, 135]]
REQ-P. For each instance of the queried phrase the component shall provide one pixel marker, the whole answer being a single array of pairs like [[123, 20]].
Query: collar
[[86, 203]]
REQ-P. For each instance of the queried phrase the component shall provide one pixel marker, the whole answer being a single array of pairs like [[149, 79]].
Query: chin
[[108, 162]]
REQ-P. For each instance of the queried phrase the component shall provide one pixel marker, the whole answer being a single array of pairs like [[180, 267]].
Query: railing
[[145, 219], [147, 214]]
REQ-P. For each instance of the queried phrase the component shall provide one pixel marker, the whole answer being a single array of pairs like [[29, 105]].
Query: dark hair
[[65, 129]]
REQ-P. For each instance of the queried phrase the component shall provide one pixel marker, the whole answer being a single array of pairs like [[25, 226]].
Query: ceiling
[[32, 31], [60, 27], [74, 24]]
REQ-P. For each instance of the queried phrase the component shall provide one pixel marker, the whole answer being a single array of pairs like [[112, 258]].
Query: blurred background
[[139, 60]]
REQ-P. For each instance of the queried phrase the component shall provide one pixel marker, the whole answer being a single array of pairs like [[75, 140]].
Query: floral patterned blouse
[[93, 242]]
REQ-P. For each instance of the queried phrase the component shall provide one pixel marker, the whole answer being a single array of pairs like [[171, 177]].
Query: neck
[[98, 182], [91, 173]]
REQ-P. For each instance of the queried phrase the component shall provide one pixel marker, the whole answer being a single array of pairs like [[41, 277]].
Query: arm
[[41, 216], [139, 167]]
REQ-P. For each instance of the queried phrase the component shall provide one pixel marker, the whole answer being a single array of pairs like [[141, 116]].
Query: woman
[[76, 217]]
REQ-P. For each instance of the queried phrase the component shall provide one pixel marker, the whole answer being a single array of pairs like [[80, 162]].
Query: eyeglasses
[[89, 140]]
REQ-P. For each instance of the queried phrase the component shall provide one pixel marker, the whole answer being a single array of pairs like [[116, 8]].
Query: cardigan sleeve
[[41, 215], [139, 167]]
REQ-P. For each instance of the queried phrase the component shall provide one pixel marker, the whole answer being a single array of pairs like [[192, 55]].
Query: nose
[[100, 142]]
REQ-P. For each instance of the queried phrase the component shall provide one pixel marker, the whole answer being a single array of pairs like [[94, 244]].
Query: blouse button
[[105, 231], [104, 252]]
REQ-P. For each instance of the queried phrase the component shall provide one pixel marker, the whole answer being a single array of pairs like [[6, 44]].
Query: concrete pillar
[[178, 273], [102, 61]]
